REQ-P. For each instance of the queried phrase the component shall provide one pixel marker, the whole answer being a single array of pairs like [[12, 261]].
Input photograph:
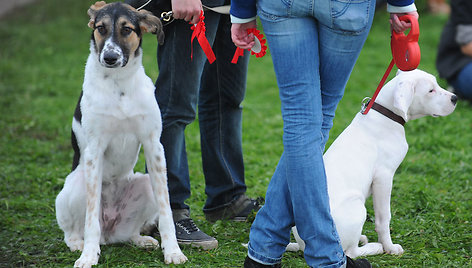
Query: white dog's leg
[[156, 164], [70, 210], [93, 162], [381, 192], [365, 250]]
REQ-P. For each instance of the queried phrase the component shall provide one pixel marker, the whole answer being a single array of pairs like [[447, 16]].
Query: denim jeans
[[314, 46], [462, 82], [218, 90]]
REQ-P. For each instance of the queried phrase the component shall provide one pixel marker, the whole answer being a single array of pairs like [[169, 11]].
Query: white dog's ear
[[403, 97]]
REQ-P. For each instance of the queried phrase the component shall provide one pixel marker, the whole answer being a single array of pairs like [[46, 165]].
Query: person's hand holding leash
[[400, 26], [188, 10]]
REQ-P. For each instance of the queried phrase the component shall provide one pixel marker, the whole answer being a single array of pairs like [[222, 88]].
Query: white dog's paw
[[292, 247], [363, 240], [75, 244], [145, 241], [88, 258], [174, 257], [394, 249]]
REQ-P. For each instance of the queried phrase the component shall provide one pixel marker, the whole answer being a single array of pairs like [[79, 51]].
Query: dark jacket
[[159, 6], [450, 60]]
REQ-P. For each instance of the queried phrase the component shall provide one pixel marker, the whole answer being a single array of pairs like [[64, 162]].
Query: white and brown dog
[[364, 157], [103, 201]]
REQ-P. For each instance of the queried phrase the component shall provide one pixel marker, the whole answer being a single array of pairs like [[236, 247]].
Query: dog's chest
[[119, 102]]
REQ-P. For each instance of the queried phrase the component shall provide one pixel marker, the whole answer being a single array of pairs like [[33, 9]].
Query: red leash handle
[[405, 48], [405, 51]]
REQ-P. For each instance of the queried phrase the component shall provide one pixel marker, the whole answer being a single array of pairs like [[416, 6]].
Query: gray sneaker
[[188, 233], [238, 210]]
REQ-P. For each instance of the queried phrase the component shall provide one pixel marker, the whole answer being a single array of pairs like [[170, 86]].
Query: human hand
[[188, 10], [467, 49], [400, 26], [240, 36]]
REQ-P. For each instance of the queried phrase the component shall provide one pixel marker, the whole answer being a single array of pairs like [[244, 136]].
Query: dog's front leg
[[381, 191], [155, 159], [93, 158]]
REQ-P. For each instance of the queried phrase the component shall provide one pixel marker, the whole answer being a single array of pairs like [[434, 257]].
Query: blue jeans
[[218, 89], [462, 82], [314, 46]]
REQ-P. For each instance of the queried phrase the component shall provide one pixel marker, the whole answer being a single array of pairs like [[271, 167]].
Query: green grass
[[43, 48]]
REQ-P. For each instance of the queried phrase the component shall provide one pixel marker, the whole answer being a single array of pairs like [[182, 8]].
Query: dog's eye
[[126, 31], [431, 91], [102, 30]]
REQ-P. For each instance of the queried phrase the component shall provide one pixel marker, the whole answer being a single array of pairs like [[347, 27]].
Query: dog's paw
[[394, 249], [291, 247], [175, 257], [75, 244], [145, 241], [363, 240], [88, 258]]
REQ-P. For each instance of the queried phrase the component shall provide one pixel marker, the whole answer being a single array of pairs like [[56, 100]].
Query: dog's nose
[[454, 99], [110, 58]]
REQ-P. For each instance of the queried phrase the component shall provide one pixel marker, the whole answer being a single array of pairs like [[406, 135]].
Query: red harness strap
[[405, 51]]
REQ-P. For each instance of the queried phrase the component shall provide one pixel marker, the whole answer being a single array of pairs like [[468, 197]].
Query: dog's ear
[[92, 12], [403, 97], [151, 24]]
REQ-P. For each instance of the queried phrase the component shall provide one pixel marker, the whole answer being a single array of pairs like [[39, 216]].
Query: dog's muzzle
[[110, 59], [112, 56]]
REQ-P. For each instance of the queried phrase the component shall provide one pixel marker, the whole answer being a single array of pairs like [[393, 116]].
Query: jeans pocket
[[274, 11], [351, 15]]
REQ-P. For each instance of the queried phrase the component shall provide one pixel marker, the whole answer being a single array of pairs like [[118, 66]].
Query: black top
[[450, 60]]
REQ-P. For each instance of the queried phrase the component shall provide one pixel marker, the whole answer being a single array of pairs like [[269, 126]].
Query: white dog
[[103, 201], [365, 156]]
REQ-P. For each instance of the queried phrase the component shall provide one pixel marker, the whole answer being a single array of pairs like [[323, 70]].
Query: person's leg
[[293, 43], [270, 231], [341, 40], [220, 116], [177, 93], [462, 83], [294, 47], [177, 89]]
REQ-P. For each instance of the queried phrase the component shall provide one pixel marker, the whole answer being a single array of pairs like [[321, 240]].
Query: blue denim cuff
[[260, 258]]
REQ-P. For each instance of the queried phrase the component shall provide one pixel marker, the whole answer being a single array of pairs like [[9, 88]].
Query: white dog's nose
[[454, 99]]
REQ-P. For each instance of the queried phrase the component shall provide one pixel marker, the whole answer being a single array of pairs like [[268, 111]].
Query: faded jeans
[[314, 46]]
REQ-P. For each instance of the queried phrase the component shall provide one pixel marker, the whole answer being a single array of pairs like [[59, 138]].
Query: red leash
[[405, 52]]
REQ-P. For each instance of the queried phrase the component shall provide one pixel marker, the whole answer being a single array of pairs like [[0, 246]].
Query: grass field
[[43, 48]]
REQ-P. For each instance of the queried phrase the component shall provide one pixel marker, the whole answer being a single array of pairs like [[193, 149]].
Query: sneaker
[[359, 263], [238, 210], [250, 263], [188, 233]]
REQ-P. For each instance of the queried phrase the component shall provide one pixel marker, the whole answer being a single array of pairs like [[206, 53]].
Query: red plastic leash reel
[[406, 55], [405, 48]]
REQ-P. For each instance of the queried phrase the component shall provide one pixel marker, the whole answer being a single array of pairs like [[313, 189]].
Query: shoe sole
[[205, 245]]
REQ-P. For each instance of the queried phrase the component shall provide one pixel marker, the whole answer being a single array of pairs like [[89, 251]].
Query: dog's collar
[[388, 113]]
